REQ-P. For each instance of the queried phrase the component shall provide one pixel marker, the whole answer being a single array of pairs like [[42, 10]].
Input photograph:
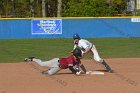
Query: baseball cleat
[[111, 71], [107, 67], [29, 59], [45, 72]]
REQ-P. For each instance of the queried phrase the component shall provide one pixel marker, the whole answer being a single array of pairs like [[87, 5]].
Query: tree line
[[62, 8]]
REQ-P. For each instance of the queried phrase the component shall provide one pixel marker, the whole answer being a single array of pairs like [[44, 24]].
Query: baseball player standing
[[57, 64], [87, 47]]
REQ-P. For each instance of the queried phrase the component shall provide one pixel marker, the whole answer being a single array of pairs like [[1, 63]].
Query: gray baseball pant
[[53, 65]]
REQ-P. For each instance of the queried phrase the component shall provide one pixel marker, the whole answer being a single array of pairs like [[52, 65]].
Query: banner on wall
[[135, 19], [53, 26]]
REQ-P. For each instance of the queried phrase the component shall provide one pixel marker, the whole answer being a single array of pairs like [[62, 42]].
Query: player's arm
[[73, 48], [87, 50], [72, 69], [75, 45], [83, 68], [86, 47]]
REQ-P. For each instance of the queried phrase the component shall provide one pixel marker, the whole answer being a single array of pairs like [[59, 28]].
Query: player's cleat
[[45, 72], [29, 59], [107, 67]]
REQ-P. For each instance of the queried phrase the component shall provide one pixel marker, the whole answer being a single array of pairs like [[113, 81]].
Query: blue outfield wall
[[85, 27], [15, 29]]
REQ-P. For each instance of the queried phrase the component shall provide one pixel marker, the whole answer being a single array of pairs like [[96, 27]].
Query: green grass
[[16, 50]]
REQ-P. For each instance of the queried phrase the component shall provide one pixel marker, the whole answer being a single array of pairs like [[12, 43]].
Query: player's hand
[[78, 73]]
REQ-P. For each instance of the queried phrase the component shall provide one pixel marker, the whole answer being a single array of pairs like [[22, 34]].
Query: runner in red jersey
[[58, 64], [69, 61]]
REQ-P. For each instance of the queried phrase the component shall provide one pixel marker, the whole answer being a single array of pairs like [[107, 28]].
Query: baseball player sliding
[[58, 64], [87, 47]]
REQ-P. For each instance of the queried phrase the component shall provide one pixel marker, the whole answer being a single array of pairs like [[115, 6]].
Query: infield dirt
[[26, 78]]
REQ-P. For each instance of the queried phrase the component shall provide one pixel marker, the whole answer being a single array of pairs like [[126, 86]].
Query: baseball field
[[17, 76]]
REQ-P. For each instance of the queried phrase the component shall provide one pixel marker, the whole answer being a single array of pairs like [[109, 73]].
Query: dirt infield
[[26, 78]]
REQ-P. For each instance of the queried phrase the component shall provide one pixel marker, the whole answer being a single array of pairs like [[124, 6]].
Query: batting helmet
[[76, 36], [77, 52]]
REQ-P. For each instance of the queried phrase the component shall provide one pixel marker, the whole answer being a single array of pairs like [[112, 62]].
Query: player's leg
[[50, 63], [108, 69], [97, 58], [95, 55], [51, 71], [53, 64]]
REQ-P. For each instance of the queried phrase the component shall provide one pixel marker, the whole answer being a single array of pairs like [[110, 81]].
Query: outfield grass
[[16, 50]]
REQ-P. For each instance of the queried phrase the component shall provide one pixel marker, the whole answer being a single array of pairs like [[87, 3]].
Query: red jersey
[[69, 61]]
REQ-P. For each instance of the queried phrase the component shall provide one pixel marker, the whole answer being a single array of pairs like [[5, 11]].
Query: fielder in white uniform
[[87, 47]]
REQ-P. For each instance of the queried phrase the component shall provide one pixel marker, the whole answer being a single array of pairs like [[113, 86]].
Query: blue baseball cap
[[76, 36]]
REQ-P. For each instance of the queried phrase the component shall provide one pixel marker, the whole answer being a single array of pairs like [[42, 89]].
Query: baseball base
[[95, 73]]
